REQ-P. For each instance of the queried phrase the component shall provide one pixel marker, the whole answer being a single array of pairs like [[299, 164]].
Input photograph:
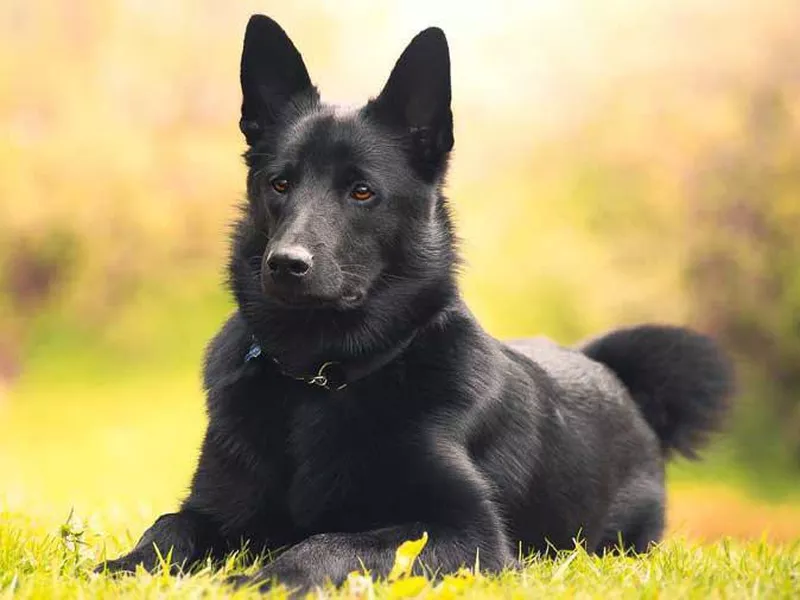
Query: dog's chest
[[344, 453], [321, 460]]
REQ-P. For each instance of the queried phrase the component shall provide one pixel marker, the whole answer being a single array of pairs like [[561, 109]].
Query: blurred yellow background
[[615, 162]]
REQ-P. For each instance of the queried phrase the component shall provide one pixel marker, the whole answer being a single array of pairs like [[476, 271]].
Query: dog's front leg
[[188, 536], [331, 556]]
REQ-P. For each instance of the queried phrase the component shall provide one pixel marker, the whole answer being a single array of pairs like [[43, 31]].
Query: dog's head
[[344, 207]]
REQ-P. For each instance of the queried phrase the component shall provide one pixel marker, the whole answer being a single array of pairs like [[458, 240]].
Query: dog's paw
[[126, 565], [119, 566]]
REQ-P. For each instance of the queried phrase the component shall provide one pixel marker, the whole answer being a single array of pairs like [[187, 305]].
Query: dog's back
[[580, 377]]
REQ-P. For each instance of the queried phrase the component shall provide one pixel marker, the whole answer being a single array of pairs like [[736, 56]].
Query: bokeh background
[[616, 162]]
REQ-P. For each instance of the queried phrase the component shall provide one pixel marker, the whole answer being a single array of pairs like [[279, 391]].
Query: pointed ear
[[417, 95], [272, 72]]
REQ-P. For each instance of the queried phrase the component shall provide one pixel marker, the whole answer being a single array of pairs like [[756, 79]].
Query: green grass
[[43, 562]]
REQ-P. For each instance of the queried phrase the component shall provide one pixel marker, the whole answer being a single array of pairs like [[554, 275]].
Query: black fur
[[661, 367], [487, 446]]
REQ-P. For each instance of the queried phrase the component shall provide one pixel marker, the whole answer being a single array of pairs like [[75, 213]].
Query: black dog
[[353, 400]]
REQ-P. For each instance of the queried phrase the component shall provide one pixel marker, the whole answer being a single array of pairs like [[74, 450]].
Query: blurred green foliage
[[743, 274]]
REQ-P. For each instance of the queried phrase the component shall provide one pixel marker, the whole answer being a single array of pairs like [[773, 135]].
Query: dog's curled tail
[[681, 380]]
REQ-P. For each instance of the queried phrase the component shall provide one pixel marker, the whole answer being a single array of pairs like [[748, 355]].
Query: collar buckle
[[322, 379]]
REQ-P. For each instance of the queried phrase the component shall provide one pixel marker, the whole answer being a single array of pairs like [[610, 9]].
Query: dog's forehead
[[328, 135]]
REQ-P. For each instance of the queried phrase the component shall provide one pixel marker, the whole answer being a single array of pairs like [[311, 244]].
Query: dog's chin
[[343, 301]]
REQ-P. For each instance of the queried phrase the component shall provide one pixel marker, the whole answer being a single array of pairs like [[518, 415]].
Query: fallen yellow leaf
[[405, 556]]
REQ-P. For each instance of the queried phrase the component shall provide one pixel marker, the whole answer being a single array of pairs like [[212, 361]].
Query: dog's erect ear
[[272, 72], [417, 95]]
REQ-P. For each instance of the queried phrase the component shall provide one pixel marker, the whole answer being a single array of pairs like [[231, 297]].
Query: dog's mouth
[[347, 300], [352, 298]]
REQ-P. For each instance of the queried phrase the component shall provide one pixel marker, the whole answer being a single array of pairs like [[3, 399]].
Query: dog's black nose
[[291, 261]]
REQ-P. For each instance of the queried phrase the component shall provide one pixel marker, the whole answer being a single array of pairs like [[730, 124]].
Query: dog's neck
[[334, 376]]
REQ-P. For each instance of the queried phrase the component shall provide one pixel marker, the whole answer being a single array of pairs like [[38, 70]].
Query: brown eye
[[280, 185], [361, 192]]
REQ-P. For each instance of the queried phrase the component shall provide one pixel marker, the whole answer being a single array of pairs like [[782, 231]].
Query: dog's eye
[[279, 184], [361, 192]]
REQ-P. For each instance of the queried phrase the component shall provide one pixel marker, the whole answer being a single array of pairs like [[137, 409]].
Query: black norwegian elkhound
[[354, 402]]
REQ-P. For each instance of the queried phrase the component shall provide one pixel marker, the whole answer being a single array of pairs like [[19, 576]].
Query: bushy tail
[[681, 380]]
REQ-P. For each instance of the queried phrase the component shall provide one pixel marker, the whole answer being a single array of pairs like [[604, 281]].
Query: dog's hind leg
[[636, 519]]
